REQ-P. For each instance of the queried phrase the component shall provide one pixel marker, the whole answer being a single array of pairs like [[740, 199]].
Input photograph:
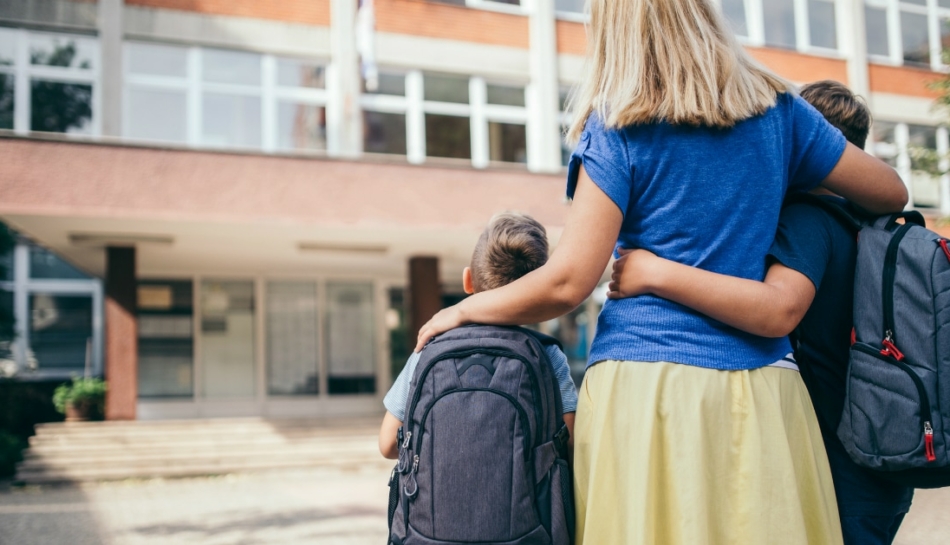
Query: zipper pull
[[929, 442], [943, 244], [412, 487], [890, 349], [405, 442]]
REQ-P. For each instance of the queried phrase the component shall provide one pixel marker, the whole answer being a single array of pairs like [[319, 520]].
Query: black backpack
[[896, 417], [483, 449]]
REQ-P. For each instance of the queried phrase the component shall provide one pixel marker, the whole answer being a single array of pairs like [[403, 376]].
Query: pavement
[[326, 507]]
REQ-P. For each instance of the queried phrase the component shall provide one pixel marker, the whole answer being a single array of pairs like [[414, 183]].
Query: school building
[[240, 207]]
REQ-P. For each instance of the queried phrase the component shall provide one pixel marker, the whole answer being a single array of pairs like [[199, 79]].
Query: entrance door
[[227, 339]]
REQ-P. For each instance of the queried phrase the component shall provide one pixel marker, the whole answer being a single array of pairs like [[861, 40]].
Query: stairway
[[95, 451]]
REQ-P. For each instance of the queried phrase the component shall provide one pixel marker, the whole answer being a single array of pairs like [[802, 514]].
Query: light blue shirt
[[398, 396]]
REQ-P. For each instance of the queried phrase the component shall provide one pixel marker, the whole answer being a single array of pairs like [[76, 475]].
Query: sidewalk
[[327, 507]]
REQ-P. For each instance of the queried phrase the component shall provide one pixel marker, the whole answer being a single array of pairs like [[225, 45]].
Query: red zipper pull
[[890, 349], [854, 336], [929, 442], [946, 249]]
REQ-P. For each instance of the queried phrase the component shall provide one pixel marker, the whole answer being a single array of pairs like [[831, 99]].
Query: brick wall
[[901, 80], [571, 38], [801, 68], [436, 20], [308, 12]]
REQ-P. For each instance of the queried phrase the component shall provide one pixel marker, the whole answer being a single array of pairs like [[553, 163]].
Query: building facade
[[239, 207]]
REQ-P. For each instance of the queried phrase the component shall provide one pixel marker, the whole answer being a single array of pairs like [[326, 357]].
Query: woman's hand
[[635, 273], [444, 320]]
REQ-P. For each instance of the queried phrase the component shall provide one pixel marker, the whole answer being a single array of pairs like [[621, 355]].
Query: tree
[[57, 106]]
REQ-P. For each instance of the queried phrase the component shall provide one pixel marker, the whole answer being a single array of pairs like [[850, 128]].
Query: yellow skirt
[[670, 454]]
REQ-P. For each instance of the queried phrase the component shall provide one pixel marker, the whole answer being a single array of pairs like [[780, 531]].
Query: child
[[810, 286], [510, 247]]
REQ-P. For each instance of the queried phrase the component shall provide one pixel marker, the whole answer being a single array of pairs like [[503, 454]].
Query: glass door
[[227, 339]]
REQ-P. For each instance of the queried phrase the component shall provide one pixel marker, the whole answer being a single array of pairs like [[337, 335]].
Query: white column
[[802, 30], [943, 148], [478, 96], [541, 96], [21, 90], [110, 67], [21, 304], [415, 118], [852, 41], [349, 126], [269, 104], [755, 21], [902, 140]]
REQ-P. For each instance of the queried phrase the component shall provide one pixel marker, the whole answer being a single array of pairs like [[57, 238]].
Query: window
[[224, 99], [61, 330], [384, 115], [44, 264], [227, 339], [292, 339], [62, 74], [901, 145], [351, 346], [446, 116], [921, 28], [569, 8], [793, 24], [166, 339], [566, 150], [925, 188]]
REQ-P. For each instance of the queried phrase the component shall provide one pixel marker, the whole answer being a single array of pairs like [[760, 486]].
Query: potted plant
[[82, 399]]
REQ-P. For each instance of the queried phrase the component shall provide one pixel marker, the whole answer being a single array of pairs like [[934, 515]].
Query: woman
[[686, 431]]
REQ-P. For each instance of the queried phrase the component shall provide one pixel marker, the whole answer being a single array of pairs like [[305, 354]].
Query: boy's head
[[842, 108], [510, 247]]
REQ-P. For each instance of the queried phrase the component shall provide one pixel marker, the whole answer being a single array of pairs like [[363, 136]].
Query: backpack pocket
[[562, 504], [887, 419]]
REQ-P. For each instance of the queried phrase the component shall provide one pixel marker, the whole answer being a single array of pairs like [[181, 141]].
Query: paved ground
[[300, 507]]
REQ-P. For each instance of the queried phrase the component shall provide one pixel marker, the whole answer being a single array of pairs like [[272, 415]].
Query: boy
[[510, 247], [810, 286]]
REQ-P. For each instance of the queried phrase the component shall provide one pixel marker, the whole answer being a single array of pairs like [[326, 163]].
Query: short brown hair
[[842, 108], [510, 247]]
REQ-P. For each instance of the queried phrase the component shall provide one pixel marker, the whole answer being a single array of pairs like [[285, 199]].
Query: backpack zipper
[[943, 245], [890, 276], [535, 388], [522, 414], [926, 417]]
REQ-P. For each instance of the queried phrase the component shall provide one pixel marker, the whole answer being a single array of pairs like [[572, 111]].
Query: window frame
[[893, 10], [269, 91], [23, 287], [479, 112], [755, 24], [899, 151], [24, 72]]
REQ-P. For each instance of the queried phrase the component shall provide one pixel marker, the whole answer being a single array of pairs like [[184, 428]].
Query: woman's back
[[706, 197]]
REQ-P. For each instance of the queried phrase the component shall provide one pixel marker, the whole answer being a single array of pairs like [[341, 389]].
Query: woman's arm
[[558, 287], [772, 308], [867, 182]]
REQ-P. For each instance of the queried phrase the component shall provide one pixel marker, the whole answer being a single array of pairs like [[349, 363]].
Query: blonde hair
[[668, 60], [510, 247]]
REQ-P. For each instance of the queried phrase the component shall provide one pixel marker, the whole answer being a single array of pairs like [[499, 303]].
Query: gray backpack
[[483, 449], [896, 417]]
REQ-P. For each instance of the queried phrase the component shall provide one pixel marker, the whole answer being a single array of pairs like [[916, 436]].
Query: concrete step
[[93, 448], [117, 450], [72, 475], [368, 444]]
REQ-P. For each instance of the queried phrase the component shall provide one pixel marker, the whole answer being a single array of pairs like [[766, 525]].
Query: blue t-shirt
[[398, 396], [705, 197]]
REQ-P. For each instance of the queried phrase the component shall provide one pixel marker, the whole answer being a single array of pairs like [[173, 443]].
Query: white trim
[[268, 104], [510, 9], [415, 118], [477, 92]]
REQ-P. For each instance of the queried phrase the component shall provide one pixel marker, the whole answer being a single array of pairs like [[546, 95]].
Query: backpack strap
[[841, 213], [545, 340]]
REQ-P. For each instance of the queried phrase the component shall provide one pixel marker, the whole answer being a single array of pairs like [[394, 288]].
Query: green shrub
[[11, 452], [82, 391]]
